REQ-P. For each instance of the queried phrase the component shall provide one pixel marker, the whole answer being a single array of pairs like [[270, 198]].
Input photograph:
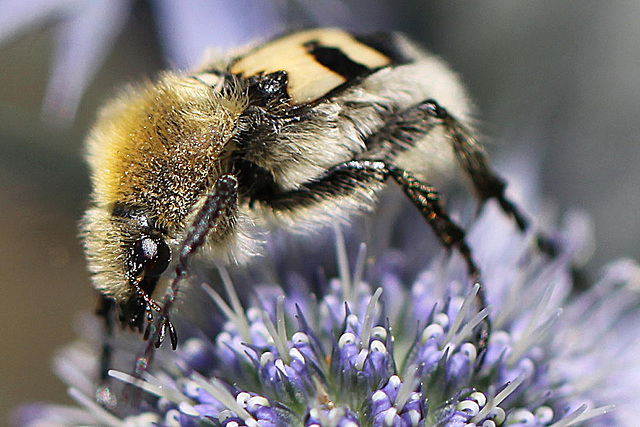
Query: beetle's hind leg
[[473, 161], [427, 200]]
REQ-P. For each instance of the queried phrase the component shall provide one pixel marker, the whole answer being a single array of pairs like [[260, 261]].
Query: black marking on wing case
[[336, 60]]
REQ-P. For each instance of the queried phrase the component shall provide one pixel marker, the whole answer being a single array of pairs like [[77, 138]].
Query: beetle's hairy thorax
[[166, 146]]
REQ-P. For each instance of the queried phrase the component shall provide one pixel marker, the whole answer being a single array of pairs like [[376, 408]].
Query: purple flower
[[370, 348]]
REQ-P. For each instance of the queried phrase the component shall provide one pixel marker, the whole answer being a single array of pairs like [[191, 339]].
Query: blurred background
[[558, 78]]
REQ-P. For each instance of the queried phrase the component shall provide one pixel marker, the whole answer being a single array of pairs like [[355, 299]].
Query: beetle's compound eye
[[151, 256]]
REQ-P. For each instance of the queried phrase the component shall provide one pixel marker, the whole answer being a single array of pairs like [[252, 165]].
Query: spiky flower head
[[371, 348]]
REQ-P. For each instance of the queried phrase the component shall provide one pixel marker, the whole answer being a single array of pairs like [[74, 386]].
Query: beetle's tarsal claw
[[173, 336], [167, 326], [161, 333]]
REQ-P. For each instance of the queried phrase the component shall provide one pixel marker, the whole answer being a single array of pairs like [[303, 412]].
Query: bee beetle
[[298, 132]]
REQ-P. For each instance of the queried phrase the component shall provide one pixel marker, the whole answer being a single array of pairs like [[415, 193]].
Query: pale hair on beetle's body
[[298, 132]]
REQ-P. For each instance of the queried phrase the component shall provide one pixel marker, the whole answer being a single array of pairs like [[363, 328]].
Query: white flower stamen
[[343, 265], [358, 271], [367, 323], [528, 335], [278, 333], [468, 328], [582, 414], [219, 391], [462, 313], [150, 385], [236, 314], [406, 389], [493, 402]]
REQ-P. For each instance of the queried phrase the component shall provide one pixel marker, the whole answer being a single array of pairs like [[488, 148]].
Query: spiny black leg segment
[[473, 160], [426, 199], [217, 212]]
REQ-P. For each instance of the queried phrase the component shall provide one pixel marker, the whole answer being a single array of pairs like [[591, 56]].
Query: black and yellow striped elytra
[[298, 132]]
